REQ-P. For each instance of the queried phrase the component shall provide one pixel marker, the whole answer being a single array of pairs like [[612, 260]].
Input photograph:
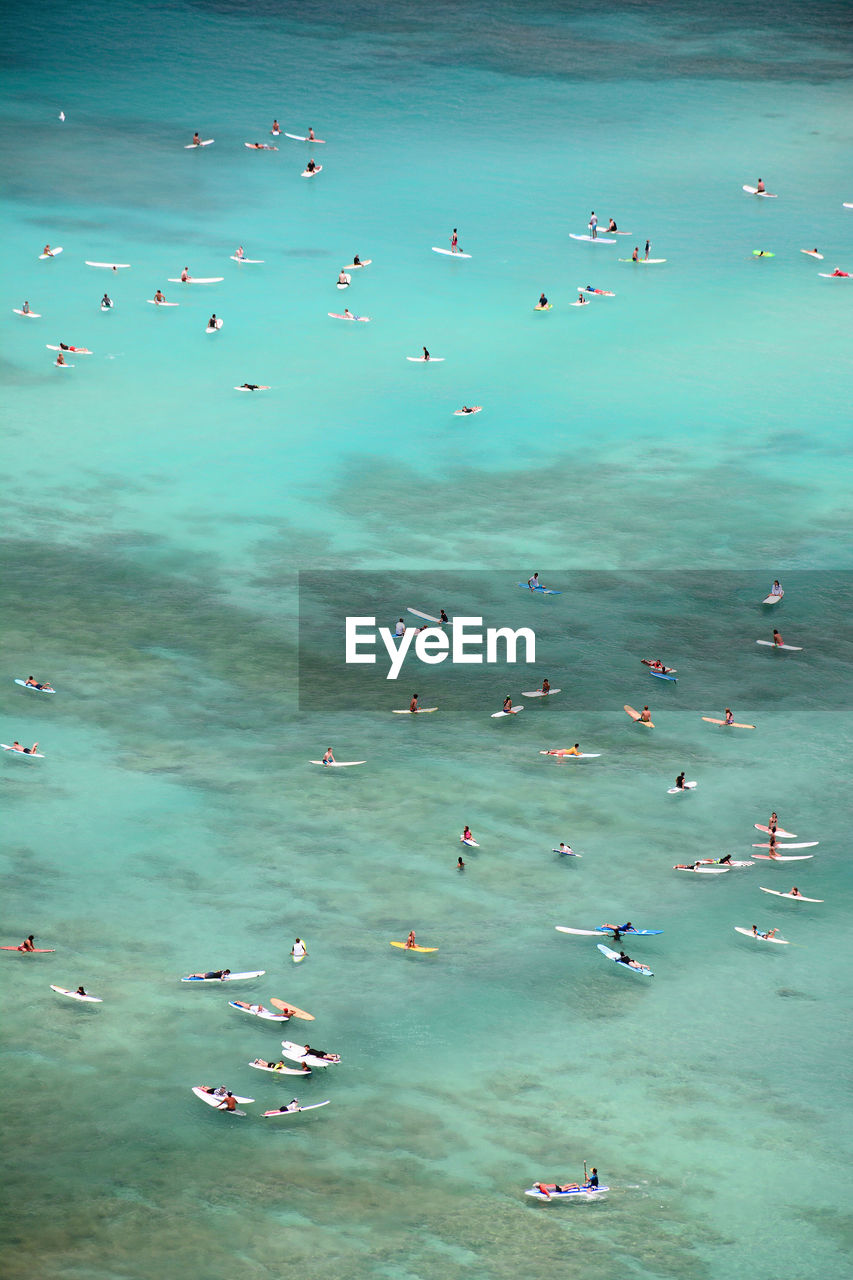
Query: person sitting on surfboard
[[612, 226], [426, 354], [276, 127], [413, 705], [29, 942], [410, 941], [582, 301], [776, 589], [466, 834], [196, 140], [311, 137], [645, 716], [777, 639], [106, 301], [356, 261], [328, 757], [26, 308], [400, 628], [679, 782], [213, 323], [508, 704], [81, 991], [533, 582], [759, 186], [546, 686], [47, 251], [299, 949], [729, 717], [543, 302], [185, 275], [310, 166]]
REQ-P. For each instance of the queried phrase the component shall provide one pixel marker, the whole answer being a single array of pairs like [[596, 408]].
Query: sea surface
[[179, 561]]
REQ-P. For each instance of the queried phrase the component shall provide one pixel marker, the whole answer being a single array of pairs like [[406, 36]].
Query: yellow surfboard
[[292, 1009], [635, 715], [403, 947]]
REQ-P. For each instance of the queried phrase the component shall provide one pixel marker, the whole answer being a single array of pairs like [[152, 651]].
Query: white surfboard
[[419, 711], [196, 280], [472, 844], [537, 693], [451, 253], [591, 239], [54, 253], [795, 897], [773, 599], [294, 1111], [338, 764], [229, 977], [337, 315], [259, 387], [688, 786], [703, 871], [496, 714], [191, 146], [109, 266], [155, 303], [565, 755], [312, 173], [753, 191], [259, 146], [829, 275], [75, 995], [643, 262], [747, 933], [214, 328], [33, 315], [429, 617], [783, 848], [298, 137], [27, 755], [423, 359], [779, 857], [24, 685], [812, 253], [581, 933], [255, 261], [847, 205], [792, 648], [356, 266], [579, 303]]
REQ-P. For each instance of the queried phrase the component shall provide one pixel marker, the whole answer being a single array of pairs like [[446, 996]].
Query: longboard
[[546, 591], [793, 648], [75, 995], [642, 970], [795, 897], [773, 599], [753, 191], [418, 711], [497, 714], [280, 1071], [35, 951], [338, 764], [472, 844], [747, 933], [294, 1111], [572, 755], [29, 755], [537, 693], [230, 977], [451, 253], [779, 857], [24, 685], [688, 786], [783, 835], [783, 848], [291, 1009], [734, 725], [635, 716], [404, 947]]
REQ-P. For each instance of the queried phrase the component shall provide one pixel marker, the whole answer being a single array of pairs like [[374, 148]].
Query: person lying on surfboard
[[770, 933], [33, 684], [321, 1053], [214, 973], [836, 272], [564, 848], [632, 964], [465, 409], [47, 251], [26, 751]]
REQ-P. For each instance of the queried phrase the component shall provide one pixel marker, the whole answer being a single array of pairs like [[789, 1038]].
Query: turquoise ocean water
[[659, 457]]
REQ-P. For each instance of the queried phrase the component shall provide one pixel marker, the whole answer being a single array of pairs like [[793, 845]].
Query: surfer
[[777, 639], [725, 861], [729, 719], [310, 137], [228, 1103], [508, 704], [647, 251], [81, 991], [185, 275], [773, 824], [26, 308], [60, 359], [443, 616], [769, 933], [454, 242], [239, 252], [400, 629], [466, 834], [759, 187], [582, 301], [33, 684], [213, 323], [310, 166], [679, 782], [299, 949], [106, 301], [27, 751], [413, 705], [410, 941], [632, 964], [196, 140], [29, 942], [159, 296], [635, 256], [356, 262], [645, 716], [328, 757], [543, 302], [593, 226], [612, 226], [564, 848], [776, 589], [836, 272], [276, 127], [460, 865], [795, 893], [573, 751], [214, 973], [465, 409], [321, 1053], [47, 251], [546, 686], [426, 354], [533, 582], [348, 314]]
